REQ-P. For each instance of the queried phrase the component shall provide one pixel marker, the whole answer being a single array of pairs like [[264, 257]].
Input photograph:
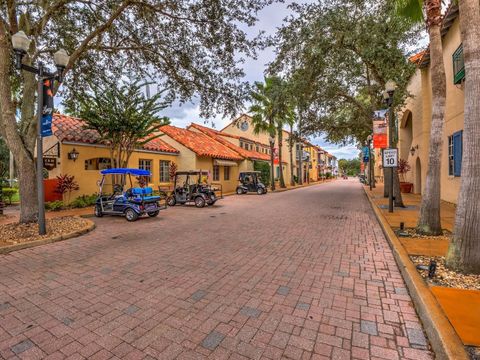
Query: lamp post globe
[[20, 42], [390, 86], [61, 59]]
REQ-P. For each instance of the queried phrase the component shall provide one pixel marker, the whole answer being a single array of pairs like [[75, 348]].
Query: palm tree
[[430, 12], [464, 250], [290, 120], [264, 113]]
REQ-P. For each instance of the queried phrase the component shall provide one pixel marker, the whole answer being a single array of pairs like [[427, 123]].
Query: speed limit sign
[[390, 158]]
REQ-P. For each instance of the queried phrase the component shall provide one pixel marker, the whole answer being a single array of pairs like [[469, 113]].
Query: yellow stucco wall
[[87, 179], [188, 160], [263, 138], [420, 105]]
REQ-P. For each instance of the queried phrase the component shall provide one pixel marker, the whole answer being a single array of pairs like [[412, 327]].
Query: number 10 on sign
[[390, 158]]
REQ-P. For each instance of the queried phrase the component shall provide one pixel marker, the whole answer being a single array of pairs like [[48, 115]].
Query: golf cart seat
[[143, 195]]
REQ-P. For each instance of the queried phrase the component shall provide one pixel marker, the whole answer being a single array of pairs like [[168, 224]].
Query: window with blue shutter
[[457, 152], [458, 66]]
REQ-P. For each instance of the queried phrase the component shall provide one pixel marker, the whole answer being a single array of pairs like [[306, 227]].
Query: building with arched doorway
[[415, 118]]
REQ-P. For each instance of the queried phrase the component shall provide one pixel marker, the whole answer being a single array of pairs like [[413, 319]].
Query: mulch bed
[[15, 233], [412, 232], [446, 277]]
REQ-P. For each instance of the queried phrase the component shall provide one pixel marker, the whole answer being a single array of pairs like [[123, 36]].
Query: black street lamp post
[[370, 172], [390, 87], [21, 45]]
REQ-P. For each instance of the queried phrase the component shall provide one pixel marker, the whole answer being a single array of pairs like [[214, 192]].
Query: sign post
[[390, 158]]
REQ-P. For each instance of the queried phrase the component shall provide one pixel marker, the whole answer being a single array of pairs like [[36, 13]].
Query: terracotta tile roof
[[68, 128], [218, 136], [417, 58], [201, 144]]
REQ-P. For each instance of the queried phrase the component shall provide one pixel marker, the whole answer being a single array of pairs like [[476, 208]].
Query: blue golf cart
[[131, 202]]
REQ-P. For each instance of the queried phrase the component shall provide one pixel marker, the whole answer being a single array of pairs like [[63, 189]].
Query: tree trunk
[[272, 165], [21, 146], [386, 182], [291, 142], [464, 250], [397, 194], [280, 158], [429, 221]]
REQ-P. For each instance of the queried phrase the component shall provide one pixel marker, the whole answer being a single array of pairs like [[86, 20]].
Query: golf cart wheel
[[260, 191], [153, 213], [171, 201], [240, 191], [199, 202], [131, 215], [98, 211]]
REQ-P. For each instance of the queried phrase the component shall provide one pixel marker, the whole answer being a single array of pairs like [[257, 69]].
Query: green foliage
[[56, 205], [264, 169], [123, 115], [65, 185], [328, 175], [338, 55], [9, 194], [4, 159], [411, 9], [84, 201], [349, 167]]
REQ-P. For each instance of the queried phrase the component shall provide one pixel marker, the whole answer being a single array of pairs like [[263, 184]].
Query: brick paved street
[[302, 274]]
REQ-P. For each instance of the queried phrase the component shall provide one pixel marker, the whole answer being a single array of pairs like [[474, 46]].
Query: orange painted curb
[[444, 340]]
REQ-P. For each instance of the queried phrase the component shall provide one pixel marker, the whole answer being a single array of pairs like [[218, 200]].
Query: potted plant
[[403, 168]]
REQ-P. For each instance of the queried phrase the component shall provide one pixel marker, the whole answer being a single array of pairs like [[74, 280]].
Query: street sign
[[390, 158]]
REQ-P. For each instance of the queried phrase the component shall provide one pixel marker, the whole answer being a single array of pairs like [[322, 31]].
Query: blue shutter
[[457, 153]]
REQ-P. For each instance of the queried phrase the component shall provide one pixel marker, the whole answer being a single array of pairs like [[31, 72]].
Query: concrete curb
[[8, 249], [444, 340]]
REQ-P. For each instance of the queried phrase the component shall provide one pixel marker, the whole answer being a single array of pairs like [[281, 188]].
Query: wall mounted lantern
[[413, 149], [73, 155]]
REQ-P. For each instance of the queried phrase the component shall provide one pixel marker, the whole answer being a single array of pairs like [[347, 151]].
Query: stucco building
[[415, 118]]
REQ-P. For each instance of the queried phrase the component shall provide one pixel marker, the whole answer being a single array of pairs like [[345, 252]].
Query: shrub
[[84, 201], [172, 170], [66, 184], [9, 194], [328, 175], [54, 205], [403, 168], [264, 169]]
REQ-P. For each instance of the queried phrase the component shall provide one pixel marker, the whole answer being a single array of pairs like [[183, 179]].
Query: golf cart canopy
[[121, 171]]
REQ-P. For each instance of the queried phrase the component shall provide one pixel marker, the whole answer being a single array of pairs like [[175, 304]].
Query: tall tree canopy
[[192, 47], [343, 52], [123, 116]]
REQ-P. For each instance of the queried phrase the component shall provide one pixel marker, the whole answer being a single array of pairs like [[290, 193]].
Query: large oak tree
[[192, 47]]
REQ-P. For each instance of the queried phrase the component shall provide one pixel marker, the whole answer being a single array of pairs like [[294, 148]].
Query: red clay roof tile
[[68, 128], [200, 143], [218, 136]]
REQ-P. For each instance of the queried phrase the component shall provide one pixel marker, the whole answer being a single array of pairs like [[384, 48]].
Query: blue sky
[[270, 19]]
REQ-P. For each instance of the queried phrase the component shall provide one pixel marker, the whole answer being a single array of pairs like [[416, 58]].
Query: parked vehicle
[[189, 187], [131, 203], [250, 182], [362, 178]]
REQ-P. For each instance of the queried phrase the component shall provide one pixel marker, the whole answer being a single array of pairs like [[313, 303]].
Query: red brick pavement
[[303, 274]]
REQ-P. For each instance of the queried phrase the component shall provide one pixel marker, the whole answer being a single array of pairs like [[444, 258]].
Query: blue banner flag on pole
[[47, 111]]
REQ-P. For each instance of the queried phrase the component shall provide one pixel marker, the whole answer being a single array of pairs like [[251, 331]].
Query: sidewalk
[[435, 304], [411, 213]]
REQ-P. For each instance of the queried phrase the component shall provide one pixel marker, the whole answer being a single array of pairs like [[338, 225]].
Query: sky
[[269, 19]]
